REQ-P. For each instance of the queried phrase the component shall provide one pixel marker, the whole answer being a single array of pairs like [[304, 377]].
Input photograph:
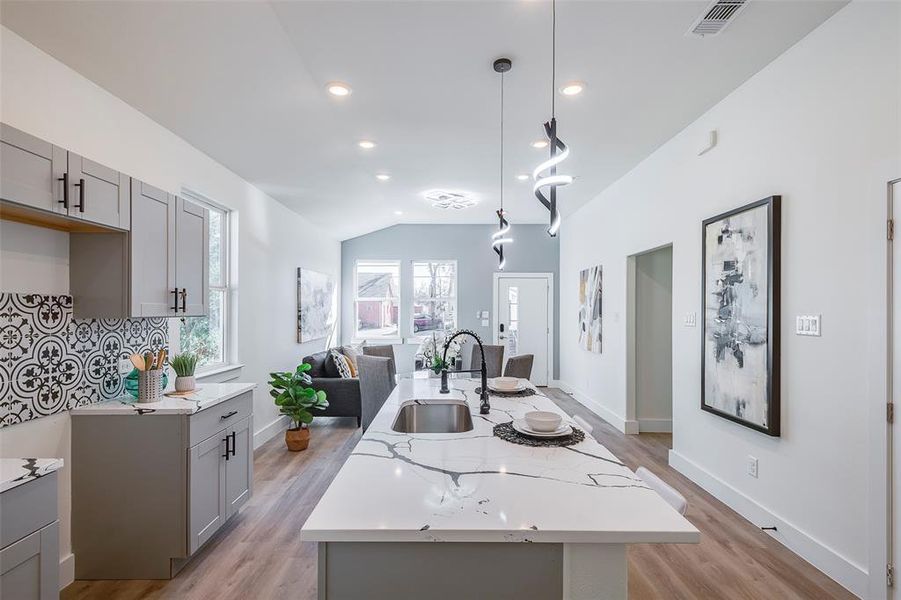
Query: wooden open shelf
[[10, 211]]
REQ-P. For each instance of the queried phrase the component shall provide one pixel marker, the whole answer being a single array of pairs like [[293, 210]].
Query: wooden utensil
[[161, 358], [148, 361], [137, 361]]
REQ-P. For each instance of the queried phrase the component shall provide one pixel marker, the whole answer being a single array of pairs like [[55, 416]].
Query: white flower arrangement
[[432, 348]]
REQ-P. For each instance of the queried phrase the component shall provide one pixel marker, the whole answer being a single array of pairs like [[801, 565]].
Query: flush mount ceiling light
[[338, 88], [446, 199], [573, 88], [366, 144], [539, 144], [545, 175], [383, 177], [501, 237]]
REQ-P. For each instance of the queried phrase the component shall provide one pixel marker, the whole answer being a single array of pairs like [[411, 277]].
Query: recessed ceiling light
[[522, 177], [539, 144], [398, 212], [338, 88], [383, 177], [573, 88], [366, 144]]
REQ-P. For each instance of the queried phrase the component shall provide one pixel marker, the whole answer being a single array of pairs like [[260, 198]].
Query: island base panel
[[440, 571], [595, 571]]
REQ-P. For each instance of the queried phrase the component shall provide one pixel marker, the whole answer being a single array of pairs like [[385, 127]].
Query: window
[[208, 336], [434, 296], [377, 298]]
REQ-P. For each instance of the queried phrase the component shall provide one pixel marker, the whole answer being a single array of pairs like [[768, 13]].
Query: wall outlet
[[807, 325], [691, 319], [752, 466], [125, 366]]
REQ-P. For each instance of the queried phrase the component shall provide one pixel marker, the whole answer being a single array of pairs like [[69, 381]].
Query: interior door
[[239, 467], [152, 251], [522, 321], [192, 249], [97, 193], [206, 494], [894, 437]]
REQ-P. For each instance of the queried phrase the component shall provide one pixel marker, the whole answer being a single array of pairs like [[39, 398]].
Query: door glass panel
[[513, 323]]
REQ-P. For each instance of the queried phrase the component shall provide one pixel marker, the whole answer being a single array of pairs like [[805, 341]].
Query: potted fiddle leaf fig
[[295, 399]]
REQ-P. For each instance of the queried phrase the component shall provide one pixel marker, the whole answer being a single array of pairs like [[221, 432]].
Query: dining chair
[[519, 366], [666, 491], [494, 359]]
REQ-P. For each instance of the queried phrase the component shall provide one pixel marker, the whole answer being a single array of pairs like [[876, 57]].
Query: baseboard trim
[[655, 425], [270, 431], [849, 575], [66, 570], [626, 426]]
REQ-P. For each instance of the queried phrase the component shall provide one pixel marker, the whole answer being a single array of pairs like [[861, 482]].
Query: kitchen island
[[517, 521]]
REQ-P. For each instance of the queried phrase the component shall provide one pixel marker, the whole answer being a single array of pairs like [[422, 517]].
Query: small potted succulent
[[184, 365], [295, 399]]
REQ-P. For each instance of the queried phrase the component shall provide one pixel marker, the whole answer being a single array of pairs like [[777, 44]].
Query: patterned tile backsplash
[[51, 362]]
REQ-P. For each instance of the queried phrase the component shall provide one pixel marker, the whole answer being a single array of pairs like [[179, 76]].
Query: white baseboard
[[848, 574], [655, 425], [600, 410], [66, 570], [270, 431]]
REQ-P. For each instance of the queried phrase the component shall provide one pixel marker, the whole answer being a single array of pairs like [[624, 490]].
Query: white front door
[[522, 324]]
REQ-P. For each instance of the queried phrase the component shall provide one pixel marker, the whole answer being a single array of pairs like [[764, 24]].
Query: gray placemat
[[506, 432], [520, 394]]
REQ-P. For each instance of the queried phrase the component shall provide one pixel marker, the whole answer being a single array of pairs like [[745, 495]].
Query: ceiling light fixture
[[398, 212], [338, 88], [522, 177], [383, 177], [500, 238], [559, 150], [448, 200], [573, 88], [539, 144], [366, 144]]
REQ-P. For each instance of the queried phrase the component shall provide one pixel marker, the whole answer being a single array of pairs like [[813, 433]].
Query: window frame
[[224, 285], [451, 299], [362, 335]]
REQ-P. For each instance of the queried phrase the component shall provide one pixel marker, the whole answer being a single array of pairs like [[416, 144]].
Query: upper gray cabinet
[[31, 170], [38, 175], [152, 252], [98, 194], [192, 247]]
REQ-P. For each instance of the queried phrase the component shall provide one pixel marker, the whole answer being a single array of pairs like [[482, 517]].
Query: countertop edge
[[504, 536], [37, 471]]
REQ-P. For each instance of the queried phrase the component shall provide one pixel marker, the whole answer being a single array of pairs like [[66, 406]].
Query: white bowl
[[540, 420], [506, 383]]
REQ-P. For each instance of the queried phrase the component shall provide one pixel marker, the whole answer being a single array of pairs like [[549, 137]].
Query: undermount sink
[[433, 416]]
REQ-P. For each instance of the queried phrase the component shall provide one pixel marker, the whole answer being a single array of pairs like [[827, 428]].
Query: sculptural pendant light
[[545, 176], [501, 237]]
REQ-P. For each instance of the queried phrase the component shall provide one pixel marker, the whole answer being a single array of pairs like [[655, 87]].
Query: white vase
[[185, 384]]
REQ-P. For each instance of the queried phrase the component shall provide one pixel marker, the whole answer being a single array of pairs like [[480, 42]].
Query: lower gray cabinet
[[158, 487]]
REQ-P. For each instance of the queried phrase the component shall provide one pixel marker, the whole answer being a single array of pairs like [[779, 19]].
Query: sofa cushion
[[341, 363], [317, 363]]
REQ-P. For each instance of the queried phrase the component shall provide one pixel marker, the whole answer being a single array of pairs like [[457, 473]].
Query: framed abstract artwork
[[315, 305], [590, 303], [740, 325]]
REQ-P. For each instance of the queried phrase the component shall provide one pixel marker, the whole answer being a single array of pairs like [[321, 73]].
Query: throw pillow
[[341, 363], [353, 353]]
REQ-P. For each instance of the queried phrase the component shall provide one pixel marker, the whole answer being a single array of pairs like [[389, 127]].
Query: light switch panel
[[691, 319], [808, 325], [485, 323]]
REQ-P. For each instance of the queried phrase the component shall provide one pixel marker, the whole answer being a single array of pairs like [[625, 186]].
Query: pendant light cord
[[553, 58], [502, 143]]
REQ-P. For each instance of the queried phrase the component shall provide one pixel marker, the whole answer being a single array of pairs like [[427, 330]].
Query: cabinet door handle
[[175, 305], [226, 455], [234, 442], [184, 299], [65, 200], [80, 186], [228, 415]]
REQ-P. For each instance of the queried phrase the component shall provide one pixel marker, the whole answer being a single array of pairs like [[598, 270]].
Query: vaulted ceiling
[[245, 83]]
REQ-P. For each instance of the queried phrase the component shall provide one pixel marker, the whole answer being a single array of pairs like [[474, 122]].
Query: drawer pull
[[65, 200], [80, 186], [228, 415]]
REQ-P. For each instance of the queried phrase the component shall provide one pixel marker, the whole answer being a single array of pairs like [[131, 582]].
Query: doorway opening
[[650, 341]]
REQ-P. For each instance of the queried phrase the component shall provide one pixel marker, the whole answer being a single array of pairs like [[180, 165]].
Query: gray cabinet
[[239, 467], [152, 252], [31, 171], [192, 247], [29, 540], [38, 175], [98, 194]]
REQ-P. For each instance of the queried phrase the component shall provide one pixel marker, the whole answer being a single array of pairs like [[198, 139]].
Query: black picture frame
[[773, 260]]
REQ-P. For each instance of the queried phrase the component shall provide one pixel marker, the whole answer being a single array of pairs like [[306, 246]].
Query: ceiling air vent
[[717, 16]]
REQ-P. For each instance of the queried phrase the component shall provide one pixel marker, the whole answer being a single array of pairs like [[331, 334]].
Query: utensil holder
[[150, 388]]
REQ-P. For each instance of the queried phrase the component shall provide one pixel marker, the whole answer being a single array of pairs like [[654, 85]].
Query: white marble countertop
[[205, 396], [16, 471], [474, 487]]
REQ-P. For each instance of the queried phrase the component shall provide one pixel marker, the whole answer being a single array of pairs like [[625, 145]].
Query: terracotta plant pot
[[297, 439]]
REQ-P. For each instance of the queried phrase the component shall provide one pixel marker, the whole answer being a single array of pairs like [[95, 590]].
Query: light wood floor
[[259, 555]]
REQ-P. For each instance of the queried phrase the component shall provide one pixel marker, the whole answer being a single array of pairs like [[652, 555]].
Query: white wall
[[820, 126], [45, 98], [653, 340]]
